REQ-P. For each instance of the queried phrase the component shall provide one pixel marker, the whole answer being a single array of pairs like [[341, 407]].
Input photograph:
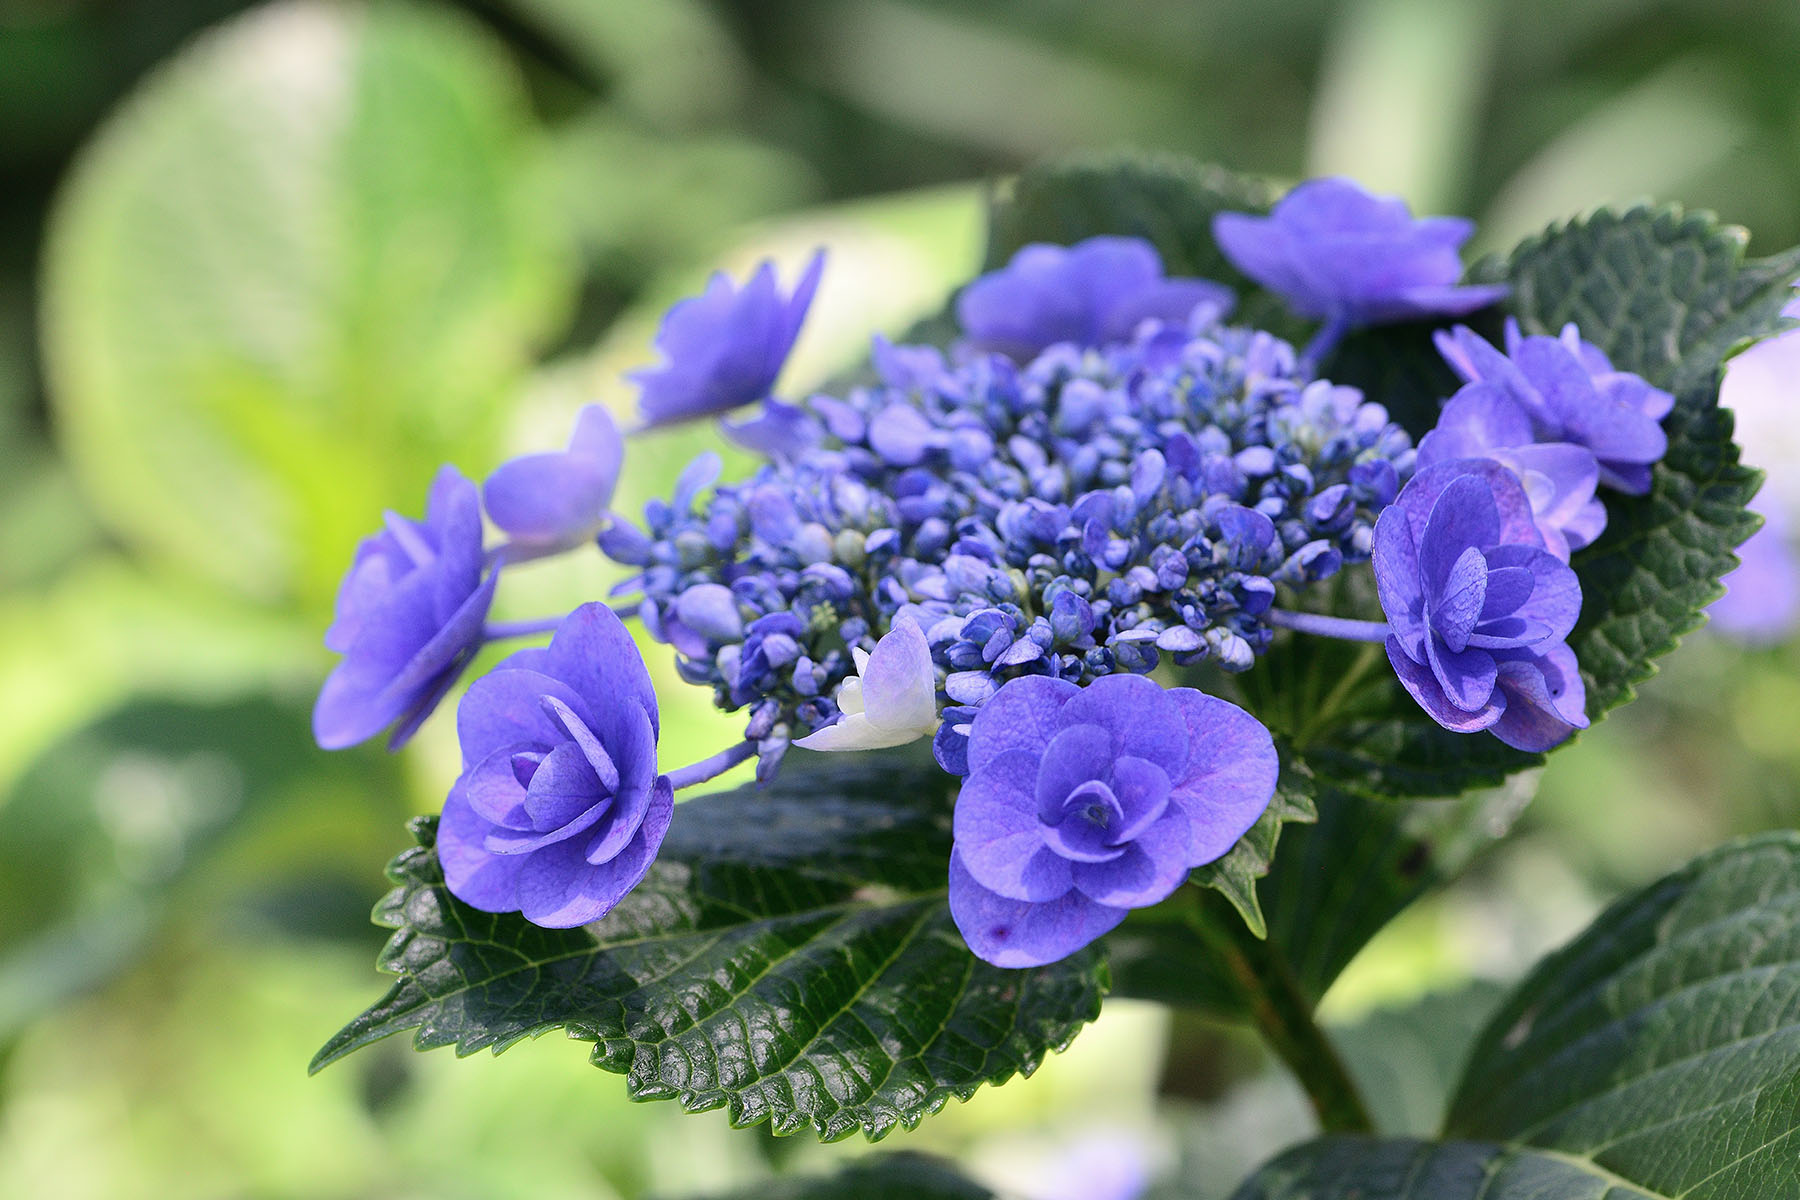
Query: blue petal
[[1230, 775], [559, 888], [1020, 933], [999, 834], [1149, 870]]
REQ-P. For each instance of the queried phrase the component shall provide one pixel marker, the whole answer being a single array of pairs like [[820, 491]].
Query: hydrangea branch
[[1343, 628], [1269, 993]]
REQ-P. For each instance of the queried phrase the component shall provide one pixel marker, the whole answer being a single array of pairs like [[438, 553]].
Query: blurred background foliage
[[263, 267]]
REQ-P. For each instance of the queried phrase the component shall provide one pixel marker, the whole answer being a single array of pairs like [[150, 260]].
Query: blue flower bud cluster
[[1075, 516]]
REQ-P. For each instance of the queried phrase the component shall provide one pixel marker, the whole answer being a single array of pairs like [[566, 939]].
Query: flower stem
[[494, 631], [1333, 627], [1255, 970], [1323, 343], [710, 768]]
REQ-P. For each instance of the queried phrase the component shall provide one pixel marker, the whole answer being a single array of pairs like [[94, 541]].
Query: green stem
[[1325, 711], [1283, 1015]]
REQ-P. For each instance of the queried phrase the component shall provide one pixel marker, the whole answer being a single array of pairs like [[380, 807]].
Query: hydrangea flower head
[[559, 499], [409, 618], [559, 810], [1335, 252], [891, 700], [725, 347], [1566, 390], [1091, 293], [1083, 803], [1477, 609], [1083, 514]]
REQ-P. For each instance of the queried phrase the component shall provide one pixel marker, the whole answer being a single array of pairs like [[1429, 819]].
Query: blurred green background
[[263, 267]]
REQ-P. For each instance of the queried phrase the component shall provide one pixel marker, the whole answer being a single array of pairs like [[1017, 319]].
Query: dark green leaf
[[1352, 1168], [790, 957], [1664, 1043], [1406, 1060], [1234, 876], [1656, 1057], [902, 1176]]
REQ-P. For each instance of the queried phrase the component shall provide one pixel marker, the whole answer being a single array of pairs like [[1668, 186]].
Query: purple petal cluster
[[1477, 609], [724, 348], [1563, 390], [559, 809], [1077, 516], [1084, 803], [559, 499], [1094, 292], [1559, 477], [1334, 252], [409, 618]]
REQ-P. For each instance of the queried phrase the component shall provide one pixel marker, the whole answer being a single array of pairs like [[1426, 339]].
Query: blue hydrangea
[[724, 348], [560, 808], [1477, 609], [1091, 293], [560, 498], [1564, 389], [993, 547], [1336, 253], [1084, 803], [409, 618]]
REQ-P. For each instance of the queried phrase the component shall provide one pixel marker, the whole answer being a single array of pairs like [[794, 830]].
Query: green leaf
[[790, 957], [1353, 1168], [1657, 1056], [903, 1176], [1406, 1059], [294, 272], [1664, 1043], [1234, 876]]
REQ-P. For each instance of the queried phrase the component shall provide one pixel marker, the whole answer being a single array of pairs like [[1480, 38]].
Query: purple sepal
[[1336, 252], [1563, 390], [1093, 293], [724, 348], [1020, 933], [1478, 609], [779, 431], [559, 498], [409, 618], [1081, 803], [559, 810]]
